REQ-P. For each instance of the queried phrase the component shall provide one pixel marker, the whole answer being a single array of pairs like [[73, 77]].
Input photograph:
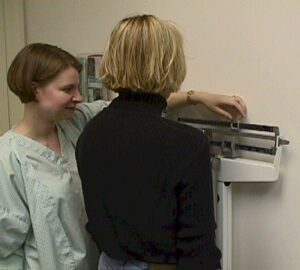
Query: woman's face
[[57, 99]]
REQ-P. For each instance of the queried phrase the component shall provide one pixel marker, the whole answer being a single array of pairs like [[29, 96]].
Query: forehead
[[67, 75]]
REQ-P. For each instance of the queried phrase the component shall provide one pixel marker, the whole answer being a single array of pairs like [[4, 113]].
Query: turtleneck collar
[[147, 102]]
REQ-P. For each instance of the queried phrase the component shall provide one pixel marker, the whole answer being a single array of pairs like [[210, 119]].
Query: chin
[[66, 116]]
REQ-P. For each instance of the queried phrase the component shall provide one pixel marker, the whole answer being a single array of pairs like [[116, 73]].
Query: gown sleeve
[[14, 216]]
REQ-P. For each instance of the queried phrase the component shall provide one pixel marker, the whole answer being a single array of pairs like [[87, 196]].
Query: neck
[[34, 124]]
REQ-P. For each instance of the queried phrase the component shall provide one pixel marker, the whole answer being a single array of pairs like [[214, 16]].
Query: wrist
[[190, 97], [196, 97]]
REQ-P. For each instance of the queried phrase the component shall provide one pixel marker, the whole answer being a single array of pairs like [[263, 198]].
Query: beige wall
[[15, 40], [250, 48], [4, 118], [12, 39]]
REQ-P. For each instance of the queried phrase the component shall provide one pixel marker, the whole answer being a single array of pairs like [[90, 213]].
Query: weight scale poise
[[241, 152]]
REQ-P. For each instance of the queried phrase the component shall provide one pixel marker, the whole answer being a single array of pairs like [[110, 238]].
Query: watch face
[[188, 97]]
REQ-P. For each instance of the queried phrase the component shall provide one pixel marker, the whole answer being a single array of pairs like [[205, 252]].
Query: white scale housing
[[232, 168]]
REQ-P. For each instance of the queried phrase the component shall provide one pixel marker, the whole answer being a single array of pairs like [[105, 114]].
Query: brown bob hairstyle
[[144, 54], [37, 64]]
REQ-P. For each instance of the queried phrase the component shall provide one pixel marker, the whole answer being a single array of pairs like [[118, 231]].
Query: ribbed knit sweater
[[147, 185]]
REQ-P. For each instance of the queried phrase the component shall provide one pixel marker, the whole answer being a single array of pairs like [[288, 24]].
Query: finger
[[243, 107], [237, 117], [243, 104], [223, 113], [236, 103]]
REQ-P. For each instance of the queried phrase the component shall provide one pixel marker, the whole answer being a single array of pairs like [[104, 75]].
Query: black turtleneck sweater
[[147, 185]]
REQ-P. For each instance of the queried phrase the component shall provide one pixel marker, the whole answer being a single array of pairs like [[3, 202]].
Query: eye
[[67, 88]]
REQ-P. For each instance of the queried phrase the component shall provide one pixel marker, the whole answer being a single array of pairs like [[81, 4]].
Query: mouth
[[70, 108]]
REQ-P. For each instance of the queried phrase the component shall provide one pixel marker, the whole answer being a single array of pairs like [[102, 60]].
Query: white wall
[[249, 48]]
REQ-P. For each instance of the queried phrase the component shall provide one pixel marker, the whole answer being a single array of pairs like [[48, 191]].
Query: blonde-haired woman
[[147, 180]]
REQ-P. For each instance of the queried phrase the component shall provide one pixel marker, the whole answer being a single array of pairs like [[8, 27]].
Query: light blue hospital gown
[[42, 216]]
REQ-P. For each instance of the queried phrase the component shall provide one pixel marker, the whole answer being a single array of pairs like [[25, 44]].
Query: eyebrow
[[67, 86]]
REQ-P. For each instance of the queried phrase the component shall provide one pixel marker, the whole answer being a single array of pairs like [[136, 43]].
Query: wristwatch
[[188, 97]]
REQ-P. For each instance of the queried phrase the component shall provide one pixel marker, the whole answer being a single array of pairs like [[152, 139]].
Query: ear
[[35, 89]]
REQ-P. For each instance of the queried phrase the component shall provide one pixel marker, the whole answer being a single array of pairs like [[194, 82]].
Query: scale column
[[224, 221]]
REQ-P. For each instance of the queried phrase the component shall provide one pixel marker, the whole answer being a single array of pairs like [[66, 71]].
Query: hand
[[230, 107]]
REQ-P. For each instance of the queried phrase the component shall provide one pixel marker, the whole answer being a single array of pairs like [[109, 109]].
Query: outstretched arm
[[230, 107]]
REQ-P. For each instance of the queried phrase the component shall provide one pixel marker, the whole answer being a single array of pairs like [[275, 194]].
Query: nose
[[77, 96]]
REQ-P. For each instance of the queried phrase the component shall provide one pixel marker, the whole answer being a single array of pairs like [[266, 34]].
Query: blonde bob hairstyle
[[144, 54], [36, 65]]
